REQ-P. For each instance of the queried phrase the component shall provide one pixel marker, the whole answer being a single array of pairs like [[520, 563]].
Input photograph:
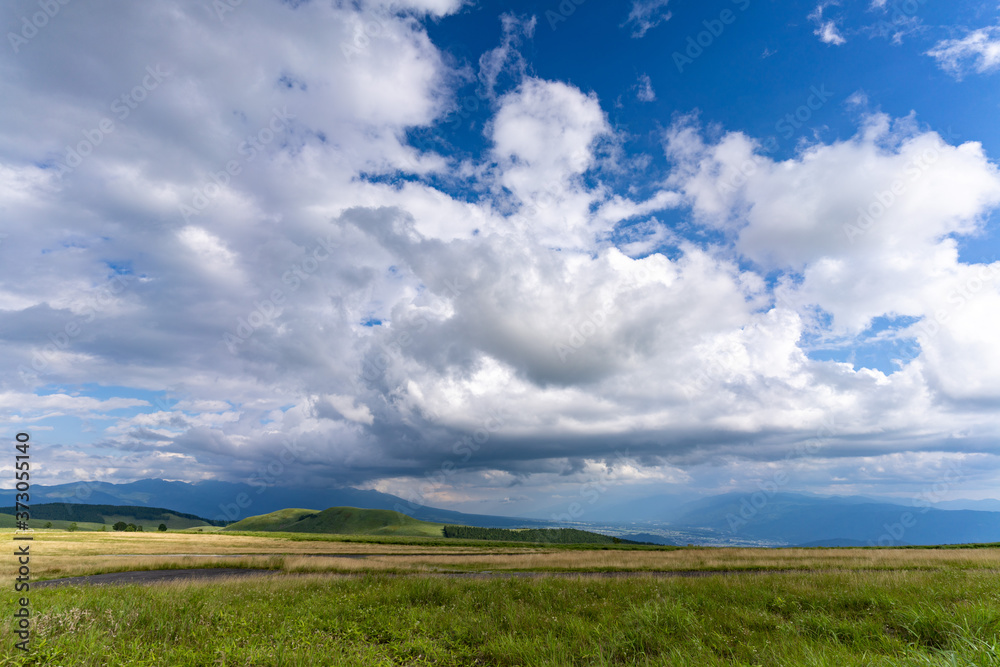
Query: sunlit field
[[336, 601], [62, 554]]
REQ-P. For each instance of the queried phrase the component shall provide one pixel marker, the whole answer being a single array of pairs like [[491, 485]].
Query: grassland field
[[376, 600]]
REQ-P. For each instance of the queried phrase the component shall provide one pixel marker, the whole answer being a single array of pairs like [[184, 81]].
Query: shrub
[[162, 528]]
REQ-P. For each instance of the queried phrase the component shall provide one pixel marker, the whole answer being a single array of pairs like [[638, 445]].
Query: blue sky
[[483, 255]]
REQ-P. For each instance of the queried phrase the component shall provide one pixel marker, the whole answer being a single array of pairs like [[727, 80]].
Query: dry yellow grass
[[60, 554], [681, 560], [99, 543]]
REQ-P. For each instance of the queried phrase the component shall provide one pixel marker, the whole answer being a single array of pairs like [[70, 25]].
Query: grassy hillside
[[340, 521], [354, 521], [544, 535], [93, 517], [9, 521]]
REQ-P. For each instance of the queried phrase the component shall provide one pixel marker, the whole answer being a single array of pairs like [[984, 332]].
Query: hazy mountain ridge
[[232, 501], [802, 519], [736, 517]]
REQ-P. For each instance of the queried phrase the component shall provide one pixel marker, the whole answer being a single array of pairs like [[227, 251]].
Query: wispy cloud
[[506, 57], [895, 24], [644, 89], [646, 15], [828, 34], [826, 30], [978, 51]]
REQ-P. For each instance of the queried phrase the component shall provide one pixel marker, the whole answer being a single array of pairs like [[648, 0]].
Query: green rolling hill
[[535, 535], [340, 521], [93, 517], [9, 521], [333, 521], [355, 521]]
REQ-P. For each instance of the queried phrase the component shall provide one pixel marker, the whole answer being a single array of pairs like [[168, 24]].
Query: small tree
[[48, 524], [130, 528], [162, 528], [119, 526], [104, 528], [139, 528], [72, 527]]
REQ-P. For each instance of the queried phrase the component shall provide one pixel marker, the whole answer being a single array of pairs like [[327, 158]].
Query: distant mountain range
[[732, 518], [230, 501], [987, 505], [796, 519], [672, 507]]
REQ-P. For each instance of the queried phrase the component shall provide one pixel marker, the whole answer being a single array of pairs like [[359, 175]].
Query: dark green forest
[[96, 513], [546, 535]]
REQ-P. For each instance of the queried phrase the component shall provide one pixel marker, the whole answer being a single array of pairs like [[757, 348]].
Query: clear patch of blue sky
[[159, 399], [760, 68], [880, 347], [73, 430]]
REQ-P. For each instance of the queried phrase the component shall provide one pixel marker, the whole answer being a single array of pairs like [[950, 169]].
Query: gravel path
[[151, 576]]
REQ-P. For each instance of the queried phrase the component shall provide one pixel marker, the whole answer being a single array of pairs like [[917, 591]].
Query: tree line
[[121, 526], [86, 513], [547, 535]]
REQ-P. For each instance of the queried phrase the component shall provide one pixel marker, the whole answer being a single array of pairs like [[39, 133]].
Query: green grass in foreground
[[871, 618]]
